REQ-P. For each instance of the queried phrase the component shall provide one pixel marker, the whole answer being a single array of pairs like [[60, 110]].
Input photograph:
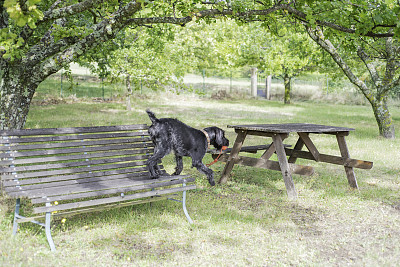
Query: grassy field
[[247, 222]]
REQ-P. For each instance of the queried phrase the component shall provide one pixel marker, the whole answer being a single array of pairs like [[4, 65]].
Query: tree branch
[[370, 67], [53, 14], [318, 36], [102, 32], [303, 17]]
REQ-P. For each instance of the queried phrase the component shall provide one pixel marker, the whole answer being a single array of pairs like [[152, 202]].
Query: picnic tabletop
[[291, 127]]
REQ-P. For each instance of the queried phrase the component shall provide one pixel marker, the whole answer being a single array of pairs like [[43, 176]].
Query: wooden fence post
[[254, 82]]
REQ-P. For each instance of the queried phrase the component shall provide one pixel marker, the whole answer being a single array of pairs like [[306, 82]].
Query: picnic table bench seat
[[65, 171]]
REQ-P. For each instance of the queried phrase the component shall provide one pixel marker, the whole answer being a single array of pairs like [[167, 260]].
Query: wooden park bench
[[66, 171]]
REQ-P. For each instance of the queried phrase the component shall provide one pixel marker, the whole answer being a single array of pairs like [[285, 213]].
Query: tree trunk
[[378, 97], [129, 94], [383, 118], [287, 83], [16, 93]]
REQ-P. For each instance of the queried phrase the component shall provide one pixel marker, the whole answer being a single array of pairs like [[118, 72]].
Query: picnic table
[[287, 156]]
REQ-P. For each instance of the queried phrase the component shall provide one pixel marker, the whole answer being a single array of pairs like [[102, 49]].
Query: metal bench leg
[[48, 231], [16, 214], [184, 206]]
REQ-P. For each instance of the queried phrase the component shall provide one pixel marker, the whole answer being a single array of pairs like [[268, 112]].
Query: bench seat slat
[[101, 201], [79, 187], [74, 130], [165, 182]]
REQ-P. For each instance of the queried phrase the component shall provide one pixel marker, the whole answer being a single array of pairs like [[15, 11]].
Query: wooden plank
[[310, 145], [73, 150], [70, 213], [78, 156], [297, 147], [73, 130], [283, 163], [269, 152], [235, 151], [351, 177], [56, 138], [15, 186], [247, 149], [291, 127], [73, 144], [74, 170], [46, 180], [111, 191], [72, 164], [101, 201], [74, 188], [260, 133], [348, 162], [269, 164], [91, 187]]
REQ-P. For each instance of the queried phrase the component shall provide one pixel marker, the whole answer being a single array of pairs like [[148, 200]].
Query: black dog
[[173, 135]]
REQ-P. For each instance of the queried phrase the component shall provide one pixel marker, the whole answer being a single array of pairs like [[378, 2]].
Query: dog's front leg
[[179, 165], [207, 171]]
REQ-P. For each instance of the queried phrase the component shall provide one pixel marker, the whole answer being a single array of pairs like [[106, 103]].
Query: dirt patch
[[137, 247], [305, 219]]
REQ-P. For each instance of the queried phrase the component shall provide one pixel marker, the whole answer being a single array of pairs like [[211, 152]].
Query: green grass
[[248, 221]]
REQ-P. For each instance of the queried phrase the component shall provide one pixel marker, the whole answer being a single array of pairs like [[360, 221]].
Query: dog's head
[[217, 137]]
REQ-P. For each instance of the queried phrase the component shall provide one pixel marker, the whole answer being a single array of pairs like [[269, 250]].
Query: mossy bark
[[383, 118], [287, 84]]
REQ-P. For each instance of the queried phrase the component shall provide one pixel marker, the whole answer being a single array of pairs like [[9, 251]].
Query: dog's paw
[[156, 176]]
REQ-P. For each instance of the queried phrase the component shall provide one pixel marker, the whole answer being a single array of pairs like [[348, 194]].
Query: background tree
[[363, 40], [38, 38]]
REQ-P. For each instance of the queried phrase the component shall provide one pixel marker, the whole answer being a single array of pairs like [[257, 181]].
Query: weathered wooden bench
[[66, 171]]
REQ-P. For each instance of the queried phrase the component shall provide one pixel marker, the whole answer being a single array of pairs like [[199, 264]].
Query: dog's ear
[[220, 139]]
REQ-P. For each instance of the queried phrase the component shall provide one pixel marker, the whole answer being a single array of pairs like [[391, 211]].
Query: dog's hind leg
[[152, 162], [179, 165], [207, 171]]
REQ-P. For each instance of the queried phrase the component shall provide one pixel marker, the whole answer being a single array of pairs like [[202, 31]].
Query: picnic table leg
[[298, 146], [351, 177], [284, 165], [231, 159]]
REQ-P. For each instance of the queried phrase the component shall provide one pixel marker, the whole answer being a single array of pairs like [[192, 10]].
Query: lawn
[[248, 221]]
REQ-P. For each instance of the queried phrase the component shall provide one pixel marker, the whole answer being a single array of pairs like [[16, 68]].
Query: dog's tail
[[152, 116]]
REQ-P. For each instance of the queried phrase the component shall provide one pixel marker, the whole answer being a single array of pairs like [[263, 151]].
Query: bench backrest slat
[[76, 156], [16, 154], [82, 162], [80, 143], [74, 130]]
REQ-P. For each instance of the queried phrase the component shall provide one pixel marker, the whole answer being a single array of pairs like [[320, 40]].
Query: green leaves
[[27, 14]]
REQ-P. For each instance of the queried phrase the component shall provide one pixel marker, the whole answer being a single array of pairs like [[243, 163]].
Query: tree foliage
[[38, 38]]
